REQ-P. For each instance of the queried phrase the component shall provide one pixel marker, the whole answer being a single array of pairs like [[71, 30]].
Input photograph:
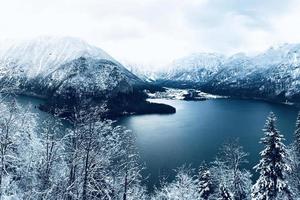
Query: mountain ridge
[[272, 75], [68, 71]]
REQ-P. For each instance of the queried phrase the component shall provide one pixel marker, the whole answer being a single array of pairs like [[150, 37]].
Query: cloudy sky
[[154, 32]]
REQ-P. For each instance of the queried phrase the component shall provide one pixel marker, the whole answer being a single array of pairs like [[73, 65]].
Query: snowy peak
[[288, 54], [199, 60], [285, 55], [42, 55], [194, 67], [272, 74], [46, 66]]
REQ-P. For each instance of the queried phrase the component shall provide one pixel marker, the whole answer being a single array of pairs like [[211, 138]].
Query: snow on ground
[[182, 94]]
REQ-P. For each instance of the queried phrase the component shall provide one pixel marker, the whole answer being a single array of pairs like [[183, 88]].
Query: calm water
[[198, 129]]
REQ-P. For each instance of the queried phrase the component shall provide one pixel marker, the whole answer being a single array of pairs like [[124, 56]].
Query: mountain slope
[[68, 71], [44, 54], [273, 74], [195, 68]]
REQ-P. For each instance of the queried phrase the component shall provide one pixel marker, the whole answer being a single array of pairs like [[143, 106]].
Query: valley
[[177, 119]]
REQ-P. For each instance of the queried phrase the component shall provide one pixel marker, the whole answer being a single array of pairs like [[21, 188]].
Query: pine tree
[[224, 193], [273, 165], [297, 134], [294, 153], [205, 184]]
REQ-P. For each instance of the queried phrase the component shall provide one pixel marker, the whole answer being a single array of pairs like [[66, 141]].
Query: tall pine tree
[[273, 165], [224, 193], [297, 134], [294, 151], [205, 184]]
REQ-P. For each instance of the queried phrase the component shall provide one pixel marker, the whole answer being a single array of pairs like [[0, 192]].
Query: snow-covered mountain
[[45, 54], [64, 67], [273, 74], [195, 68], [145, 73]]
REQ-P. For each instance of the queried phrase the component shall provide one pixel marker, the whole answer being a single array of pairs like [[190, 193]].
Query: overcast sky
[[154, 32]]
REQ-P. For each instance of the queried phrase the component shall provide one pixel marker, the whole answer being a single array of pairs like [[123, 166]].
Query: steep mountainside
[[273, 74], [146, 74], [68, 71], [41, 56], [195, 68]]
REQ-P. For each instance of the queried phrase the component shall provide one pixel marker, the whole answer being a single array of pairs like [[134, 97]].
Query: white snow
[[43, 55]]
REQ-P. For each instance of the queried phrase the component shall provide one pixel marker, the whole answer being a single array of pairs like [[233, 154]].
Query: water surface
[[197, 130]]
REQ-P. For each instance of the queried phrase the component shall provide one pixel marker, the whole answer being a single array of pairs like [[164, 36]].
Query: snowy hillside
[[195, 67], [61, 68], [273, 74], [145, 73], [43, 55]]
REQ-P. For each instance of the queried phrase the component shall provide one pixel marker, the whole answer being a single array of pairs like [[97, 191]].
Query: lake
[[197, 130]]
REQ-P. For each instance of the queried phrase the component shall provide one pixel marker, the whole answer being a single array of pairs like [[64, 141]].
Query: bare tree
[[8, 129], [233, 156], [184, 187], [50, 160]]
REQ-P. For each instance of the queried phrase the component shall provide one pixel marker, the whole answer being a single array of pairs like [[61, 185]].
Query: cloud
[[232, 24], [153, 32]]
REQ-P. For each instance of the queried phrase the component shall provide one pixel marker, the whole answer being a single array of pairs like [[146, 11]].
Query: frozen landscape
[[149, 100], [57, 112]]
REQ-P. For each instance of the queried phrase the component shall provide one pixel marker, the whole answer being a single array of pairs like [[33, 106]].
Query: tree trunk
[[125, 187], [86, 170], [1, 175], [84, 187]]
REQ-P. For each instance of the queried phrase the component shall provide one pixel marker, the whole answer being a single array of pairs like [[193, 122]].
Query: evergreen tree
[[205, 184], [297, 134], [224, 193], [273, 165], [294, 153]]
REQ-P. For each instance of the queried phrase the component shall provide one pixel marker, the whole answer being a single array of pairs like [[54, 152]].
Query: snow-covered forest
[[95, 159], [90, 159], [149, 100]]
